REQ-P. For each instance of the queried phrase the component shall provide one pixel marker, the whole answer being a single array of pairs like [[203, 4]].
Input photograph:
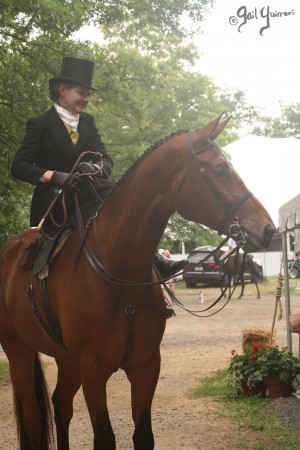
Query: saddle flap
[[29, 253], [50, 249]]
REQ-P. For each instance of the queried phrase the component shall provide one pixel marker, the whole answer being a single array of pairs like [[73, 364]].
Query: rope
[[277, 303]]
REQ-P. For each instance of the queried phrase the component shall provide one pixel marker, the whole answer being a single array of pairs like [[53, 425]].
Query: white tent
[[289, 220], [269, 167]]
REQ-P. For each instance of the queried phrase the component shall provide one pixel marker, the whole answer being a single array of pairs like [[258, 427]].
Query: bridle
[[229, 209]]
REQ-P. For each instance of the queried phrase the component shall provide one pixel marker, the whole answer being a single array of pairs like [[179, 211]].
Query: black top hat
[[75, 70]]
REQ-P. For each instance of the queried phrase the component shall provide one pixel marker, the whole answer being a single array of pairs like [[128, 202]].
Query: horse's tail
[[42, 397], [254, 272]]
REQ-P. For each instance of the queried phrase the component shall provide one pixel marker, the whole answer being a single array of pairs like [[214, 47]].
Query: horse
[[108, 303], [234, 267]]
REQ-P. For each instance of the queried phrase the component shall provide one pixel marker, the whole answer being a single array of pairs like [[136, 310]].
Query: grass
[[4, 372], [252, 413]]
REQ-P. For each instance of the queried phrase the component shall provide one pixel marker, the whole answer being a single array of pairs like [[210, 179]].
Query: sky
[[238, 52]]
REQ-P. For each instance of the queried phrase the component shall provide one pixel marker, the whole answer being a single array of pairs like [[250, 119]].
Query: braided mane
[[145, 154]]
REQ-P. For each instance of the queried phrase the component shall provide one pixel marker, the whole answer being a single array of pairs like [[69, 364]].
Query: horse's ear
[[219, 127], [213, 129]]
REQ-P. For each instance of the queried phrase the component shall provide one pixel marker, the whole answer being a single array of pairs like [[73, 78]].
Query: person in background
[[231, 243], [176, 264], [170, 285]]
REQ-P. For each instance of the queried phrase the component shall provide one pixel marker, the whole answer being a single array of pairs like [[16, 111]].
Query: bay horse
[[111, 310], [234, 267]]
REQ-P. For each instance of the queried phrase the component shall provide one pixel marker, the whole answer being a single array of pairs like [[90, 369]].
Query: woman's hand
[[66, 181]]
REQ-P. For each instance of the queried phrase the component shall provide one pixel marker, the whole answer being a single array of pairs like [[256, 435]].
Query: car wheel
[[190, 285], [294, 273]]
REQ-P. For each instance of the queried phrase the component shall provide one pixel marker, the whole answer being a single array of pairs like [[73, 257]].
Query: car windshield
[[196, 257]]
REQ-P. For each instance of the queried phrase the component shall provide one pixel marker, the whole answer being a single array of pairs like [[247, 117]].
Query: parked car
[[206, 273], [209, 272], [294, 269]]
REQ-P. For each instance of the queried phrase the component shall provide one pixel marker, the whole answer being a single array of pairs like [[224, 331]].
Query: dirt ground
[[191, 349]]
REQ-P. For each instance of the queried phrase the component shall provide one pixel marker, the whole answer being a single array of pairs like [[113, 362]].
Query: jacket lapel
[[83, 129]]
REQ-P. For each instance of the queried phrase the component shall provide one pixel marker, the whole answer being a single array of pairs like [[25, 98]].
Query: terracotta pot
[[278, 388], [250, 391]]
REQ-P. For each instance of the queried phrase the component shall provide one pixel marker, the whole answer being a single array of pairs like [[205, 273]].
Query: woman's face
[[74, 98]]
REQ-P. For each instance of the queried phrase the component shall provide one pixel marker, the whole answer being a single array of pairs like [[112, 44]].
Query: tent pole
[[286, 290]]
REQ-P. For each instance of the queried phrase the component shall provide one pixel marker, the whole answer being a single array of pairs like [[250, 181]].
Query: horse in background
[[234, 268]]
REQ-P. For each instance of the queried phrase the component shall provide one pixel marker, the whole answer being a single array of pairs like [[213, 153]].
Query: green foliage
[[245, 368], [288, 124], [279, 362], [291, 120], [192, 234], [167, 15]]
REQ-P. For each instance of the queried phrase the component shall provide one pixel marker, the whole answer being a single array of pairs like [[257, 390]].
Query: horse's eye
[[222, 171]]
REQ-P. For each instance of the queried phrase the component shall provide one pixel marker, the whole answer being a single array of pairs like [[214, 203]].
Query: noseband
[[229, 209]]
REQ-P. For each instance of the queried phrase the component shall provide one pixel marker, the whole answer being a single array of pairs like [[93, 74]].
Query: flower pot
[[278, 388], [249, 391]]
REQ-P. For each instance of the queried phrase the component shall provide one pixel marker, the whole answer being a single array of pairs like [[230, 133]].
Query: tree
[[290, 119], [193, 235], [149, 91]]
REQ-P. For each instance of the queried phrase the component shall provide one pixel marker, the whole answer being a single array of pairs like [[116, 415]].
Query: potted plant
[[257, 367], [245, 372], [280, 368]]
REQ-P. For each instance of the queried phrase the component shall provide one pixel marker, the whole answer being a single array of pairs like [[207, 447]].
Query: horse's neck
[[134, 218]]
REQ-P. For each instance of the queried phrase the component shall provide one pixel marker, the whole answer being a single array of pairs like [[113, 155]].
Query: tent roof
[[289, 215]]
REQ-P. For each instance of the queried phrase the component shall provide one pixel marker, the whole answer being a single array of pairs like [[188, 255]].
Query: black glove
[[85, 167], [66, 181]]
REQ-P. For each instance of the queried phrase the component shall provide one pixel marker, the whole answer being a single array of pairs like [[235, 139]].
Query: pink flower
[[233, 351], [251, 357]]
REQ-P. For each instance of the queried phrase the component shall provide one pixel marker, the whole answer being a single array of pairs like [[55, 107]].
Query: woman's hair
[[54, 93]]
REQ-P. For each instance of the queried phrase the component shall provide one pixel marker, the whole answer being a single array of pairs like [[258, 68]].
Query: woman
[[55, 140], [53, 143]]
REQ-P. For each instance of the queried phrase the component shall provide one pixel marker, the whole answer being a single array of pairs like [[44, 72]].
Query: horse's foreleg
[[94, 382], [68, 383], [143, 381]]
